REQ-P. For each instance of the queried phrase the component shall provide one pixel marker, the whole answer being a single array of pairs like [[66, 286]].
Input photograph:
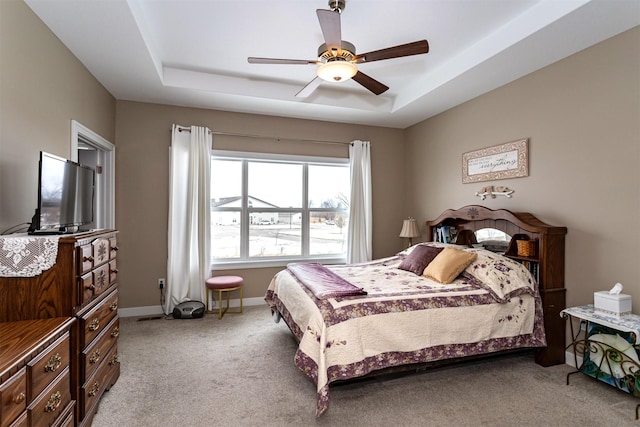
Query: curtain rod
[[277, 138]]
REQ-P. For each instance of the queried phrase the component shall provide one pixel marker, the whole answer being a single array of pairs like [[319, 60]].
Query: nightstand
[[610, 346]]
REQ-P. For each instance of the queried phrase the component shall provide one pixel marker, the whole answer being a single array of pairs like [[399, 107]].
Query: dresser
[[35, 373], [82, 285]]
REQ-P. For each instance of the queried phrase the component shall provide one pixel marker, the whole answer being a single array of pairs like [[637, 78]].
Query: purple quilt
[[322, 282]]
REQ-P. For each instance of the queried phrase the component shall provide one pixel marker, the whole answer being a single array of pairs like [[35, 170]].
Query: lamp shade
[[337, 71], [409, 228]]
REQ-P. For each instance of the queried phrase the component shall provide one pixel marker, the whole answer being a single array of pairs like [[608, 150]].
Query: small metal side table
[[610, 347]]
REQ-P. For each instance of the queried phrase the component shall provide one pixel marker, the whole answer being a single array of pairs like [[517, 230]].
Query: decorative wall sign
[[510, 160]]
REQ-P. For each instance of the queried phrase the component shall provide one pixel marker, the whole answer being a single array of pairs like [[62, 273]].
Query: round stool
[[222, 284]]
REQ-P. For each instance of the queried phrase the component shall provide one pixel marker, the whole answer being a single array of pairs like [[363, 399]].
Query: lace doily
[[27, 256]]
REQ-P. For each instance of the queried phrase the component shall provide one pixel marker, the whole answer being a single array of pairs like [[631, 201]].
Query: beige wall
[[42, 88], [142, 159], [582, 118]]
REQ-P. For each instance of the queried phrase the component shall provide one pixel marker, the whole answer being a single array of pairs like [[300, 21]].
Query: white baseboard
[[156, 310]]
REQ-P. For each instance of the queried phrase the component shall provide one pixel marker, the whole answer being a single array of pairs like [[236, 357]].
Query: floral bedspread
[[406, 319]]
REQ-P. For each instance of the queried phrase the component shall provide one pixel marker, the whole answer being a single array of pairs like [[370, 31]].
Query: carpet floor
[[239, 371]]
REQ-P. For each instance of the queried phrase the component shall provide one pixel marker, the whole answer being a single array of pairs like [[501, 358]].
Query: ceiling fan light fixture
[[337, 71]]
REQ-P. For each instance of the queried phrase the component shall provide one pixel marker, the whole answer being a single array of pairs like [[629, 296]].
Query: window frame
[[245, 211]]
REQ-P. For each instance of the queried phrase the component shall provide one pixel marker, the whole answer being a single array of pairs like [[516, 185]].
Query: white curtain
[[189, 246], [360, 223]]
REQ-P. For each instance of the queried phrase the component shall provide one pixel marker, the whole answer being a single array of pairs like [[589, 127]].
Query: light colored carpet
[[239, 371]]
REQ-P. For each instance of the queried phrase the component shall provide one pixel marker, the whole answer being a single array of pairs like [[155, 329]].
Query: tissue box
[[618, 304]]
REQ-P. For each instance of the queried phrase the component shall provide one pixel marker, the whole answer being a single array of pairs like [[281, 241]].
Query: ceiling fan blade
[[253, 60], [415, 48], [330, 25], [309, 88], [370, 83]]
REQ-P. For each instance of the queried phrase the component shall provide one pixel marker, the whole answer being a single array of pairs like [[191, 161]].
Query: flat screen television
[[65, 196]]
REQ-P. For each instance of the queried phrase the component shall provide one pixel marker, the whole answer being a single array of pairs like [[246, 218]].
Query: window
[[272, 211]]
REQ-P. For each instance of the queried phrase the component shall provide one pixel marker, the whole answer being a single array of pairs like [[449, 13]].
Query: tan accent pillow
[[449, 264]]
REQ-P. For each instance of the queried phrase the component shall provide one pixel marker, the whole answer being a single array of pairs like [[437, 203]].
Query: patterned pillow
[[449, 264], [419, 258], [504, 276]]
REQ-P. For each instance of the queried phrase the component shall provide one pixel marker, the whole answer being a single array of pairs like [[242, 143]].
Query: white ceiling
[[194, 52]]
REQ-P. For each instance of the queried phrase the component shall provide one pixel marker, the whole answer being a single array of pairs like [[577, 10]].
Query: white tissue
[[617, 288]]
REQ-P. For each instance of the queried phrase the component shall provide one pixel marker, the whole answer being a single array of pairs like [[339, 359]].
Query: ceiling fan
[[337, 59]]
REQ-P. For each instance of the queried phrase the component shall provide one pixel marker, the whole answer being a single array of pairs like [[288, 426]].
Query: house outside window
[[268, 210]]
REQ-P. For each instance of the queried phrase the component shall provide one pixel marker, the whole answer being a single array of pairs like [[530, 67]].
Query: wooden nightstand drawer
[[45, 368], [93, 322], [93, 355], [52, 402], [13, 397]]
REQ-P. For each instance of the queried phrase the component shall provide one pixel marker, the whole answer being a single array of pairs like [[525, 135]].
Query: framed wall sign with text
[[510, 160]]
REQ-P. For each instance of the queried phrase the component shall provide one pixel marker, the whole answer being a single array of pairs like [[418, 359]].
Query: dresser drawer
[[100, 381], [22, 421], [101, 251], [84, 255], [113, 246], [45, 368], [113, 271], [51, 402], [94, 254], [67, 419], [93, 355], [93, 322], [13, 397], [94, 283]]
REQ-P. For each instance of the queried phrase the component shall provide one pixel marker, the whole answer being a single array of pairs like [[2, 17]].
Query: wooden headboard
[[548, 260]]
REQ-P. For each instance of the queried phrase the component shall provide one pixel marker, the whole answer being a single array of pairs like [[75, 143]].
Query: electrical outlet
[[161, 283]]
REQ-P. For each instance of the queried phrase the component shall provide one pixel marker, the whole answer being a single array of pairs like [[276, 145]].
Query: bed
[[434, 302]]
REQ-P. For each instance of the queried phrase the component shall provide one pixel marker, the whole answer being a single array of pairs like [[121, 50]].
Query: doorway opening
[[90, 149]]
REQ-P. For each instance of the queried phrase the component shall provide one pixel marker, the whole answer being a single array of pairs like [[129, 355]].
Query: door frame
[[105, 178]]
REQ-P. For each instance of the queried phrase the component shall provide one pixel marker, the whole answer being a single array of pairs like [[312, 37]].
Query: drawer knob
[[115, 248], [19, 399], [113, 306], [53, 363], [91, 286], [115, 332], [87, 259], [94, 389], [94, 325], [54, 401], [95, 356], [114, 271]]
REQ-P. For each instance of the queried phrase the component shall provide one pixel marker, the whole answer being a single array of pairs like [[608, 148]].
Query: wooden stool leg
[[227, 307], [241, 299]]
